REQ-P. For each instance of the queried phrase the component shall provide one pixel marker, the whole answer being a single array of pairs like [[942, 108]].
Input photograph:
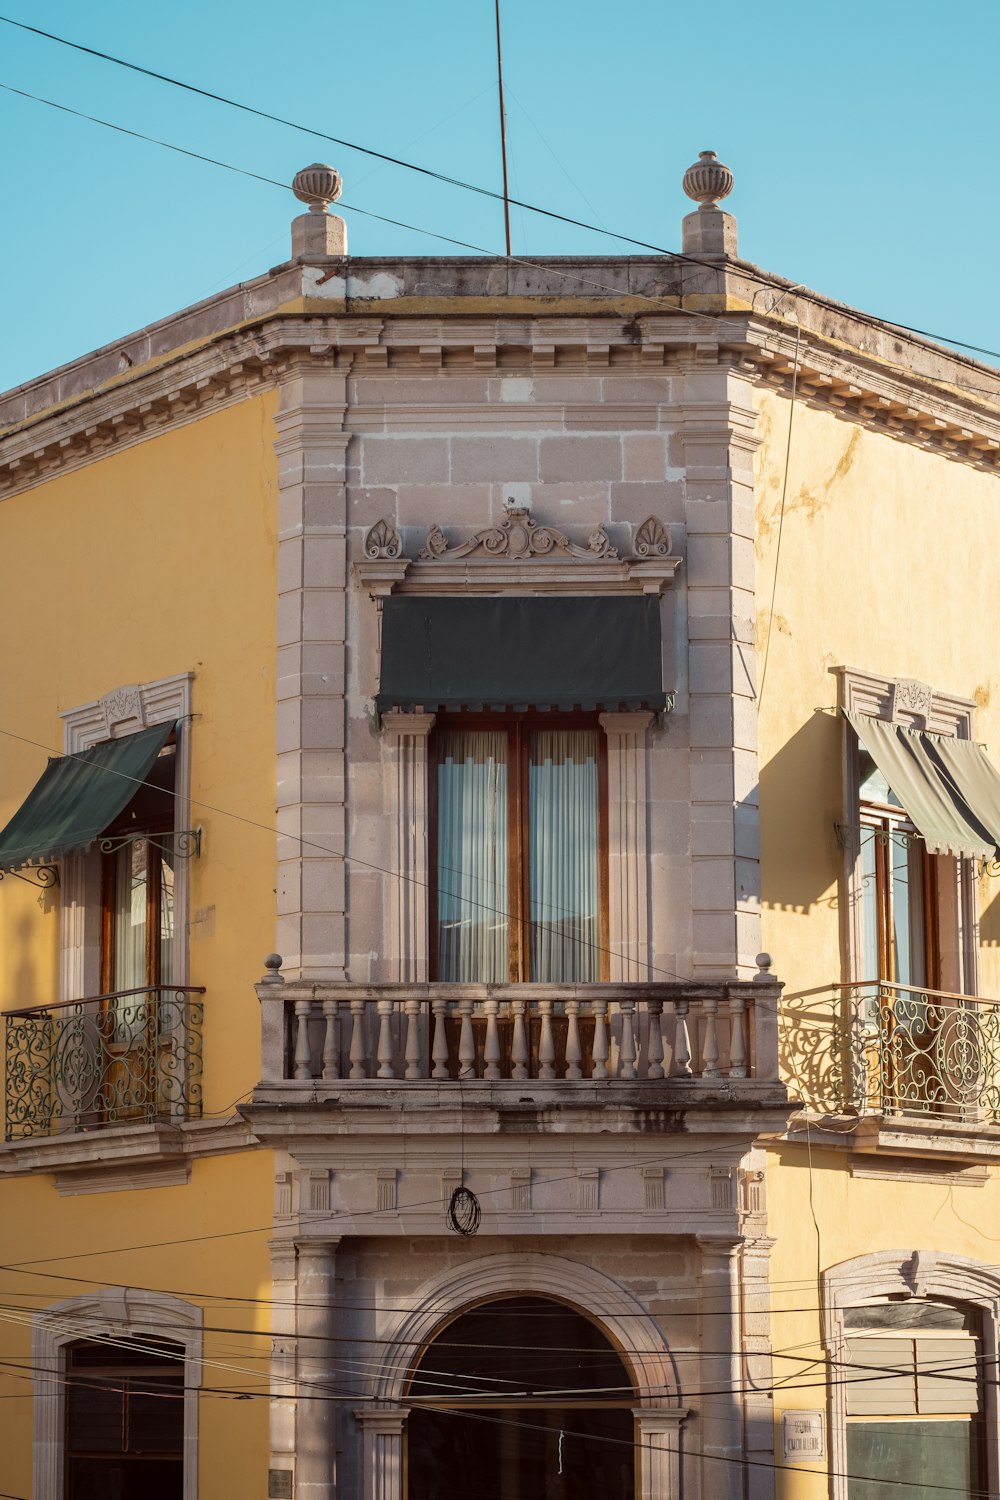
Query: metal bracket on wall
[[184, 844], [46, 877]]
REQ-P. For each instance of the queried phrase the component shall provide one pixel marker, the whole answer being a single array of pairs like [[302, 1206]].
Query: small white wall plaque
[[802, 1436]]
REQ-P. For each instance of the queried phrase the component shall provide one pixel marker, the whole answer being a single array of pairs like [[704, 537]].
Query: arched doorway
[[521, 1398]]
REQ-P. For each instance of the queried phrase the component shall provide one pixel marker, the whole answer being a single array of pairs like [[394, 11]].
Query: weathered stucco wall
[[881, 559], [880, 568], [156, 561]]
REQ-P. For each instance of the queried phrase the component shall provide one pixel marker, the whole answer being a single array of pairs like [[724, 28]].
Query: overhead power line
[[443, 177]]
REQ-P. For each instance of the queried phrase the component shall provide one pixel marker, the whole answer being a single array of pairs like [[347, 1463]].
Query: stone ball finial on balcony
[[318, 185], [708, 180], [272, 965], [318, 232], [709, 233]]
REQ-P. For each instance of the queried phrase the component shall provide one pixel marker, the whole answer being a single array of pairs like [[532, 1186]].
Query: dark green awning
[[598, 651], [77, 796]]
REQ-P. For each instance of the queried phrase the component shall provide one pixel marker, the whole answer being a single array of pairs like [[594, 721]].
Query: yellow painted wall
[[205, 1243], [881, 558], [156, 560]]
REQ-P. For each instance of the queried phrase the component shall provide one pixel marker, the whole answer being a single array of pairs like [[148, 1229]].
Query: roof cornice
[[938, 403]]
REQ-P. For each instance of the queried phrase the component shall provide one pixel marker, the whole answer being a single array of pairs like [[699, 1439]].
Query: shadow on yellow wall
[[800, 802]]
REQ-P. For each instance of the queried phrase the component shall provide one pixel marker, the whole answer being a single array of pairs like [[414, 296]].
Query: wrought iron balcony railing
[[362, 1035], [133, 1057], [894, 1049]]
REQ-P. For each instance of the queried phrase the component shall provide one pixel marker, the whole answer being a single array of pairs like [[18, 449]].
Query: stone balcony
[[649, 1046]]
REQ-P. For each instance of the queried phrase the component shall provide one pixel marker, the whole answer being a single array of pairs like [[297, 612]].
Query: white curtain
[[472, 856], [563, 860]]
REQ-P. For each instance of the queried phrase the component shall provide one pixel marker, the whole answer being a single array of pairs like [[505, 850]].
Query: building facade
[[524, 653]]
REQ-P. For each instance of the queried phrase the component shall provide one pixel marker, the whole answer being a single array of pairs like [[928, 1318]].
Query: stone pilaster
[[312, 573], [282, 1408], [383, 1452], [406, 745], [718, 436], [720, 1416], [759, 1367], [316, 1384], [658, 1434], [628, 897]]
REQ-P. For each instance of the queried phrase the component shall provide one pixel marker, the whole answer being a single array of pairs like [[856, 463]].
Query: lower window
[[124, 1421], [520, 825], [913, 1401]]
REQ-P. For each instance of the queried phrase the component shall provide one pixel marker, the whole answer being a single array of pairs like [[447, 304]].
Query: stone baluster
[[546, 1042], [331, 1039], [601, 1048], [654, 1043], [412, 1052], [491, 1050], [737, 1040], [519, 1042], [358, 1039], [682, 1042], [439, 1052], [574, 1052], [710, 1042], [626, 1051], [303, 1048], [385, 1040], [466, 1041]]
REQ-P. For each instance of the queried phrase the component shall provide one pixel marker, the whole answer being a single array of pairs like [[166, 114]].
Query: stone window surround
[[509, 558], [910, 1273], [118, 1313], [914, 705], [124, 711]]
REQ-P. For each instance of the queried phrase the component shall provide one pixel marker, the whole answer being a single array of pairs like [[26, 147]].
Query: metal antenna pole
[[503, 135]]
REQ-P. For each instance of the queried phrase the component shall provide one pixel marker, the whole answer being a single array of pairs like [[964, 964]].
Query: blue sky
[[863, 138]]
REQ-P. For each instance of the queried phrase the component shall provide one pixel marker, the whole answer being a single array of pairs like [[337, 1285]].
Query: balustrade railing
[[894, 1049], [133, 1057], [356, 1034]]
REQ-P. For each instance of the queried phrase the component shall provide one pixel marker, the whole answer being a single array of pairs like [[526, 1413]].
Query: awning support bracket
[[183, 844], [46, 877]]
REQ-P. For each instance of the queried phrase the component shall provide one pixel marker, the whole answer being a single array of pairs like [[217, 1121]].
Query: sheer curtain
[[472, 856], [563, 863]]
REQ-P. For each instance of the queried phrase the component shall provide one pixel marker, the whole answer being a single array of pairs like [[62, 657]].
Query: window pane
[[563, 865], [921, 1459], [906, 855], [869, 904], [166, 916], [131, 879], [472, 856]]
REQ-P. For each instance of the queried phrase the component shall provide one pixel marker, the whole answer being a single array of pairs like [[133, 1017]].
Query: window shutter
[[947, 1375], [889, 1395]]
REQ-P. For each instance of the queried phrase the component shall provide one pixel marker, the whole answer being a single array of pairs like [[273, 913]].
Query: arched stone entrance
[[627, 1334]]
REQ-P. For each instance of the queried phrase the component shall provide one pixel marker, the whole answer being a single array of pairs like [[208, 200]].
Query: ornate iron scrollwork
[[182, 845], [128, 1058], [46, 877]]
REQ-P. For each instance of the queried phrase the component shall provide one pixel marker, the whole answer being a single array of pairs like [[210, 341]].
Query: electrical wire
[[351, 859], [749, 272]]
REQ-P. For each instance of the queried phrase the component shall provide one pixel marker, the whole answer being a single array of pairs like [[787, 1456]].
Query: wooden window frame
[[882, 822], [150, 828], [172, 1362], [518, 729]]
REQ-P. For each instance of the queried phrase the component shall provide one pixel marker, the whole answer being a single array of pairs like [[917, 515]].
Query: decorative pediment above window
[[518, 555]]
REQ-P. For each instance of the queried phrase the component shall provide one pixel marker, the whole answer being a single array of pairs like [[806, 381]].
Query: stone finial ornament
[[318, 185], [318, 233], [708, 180]]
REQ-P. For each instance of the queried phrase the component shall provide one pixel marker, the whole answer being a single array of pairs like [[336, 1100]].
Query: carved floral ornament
[[519, 538]]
